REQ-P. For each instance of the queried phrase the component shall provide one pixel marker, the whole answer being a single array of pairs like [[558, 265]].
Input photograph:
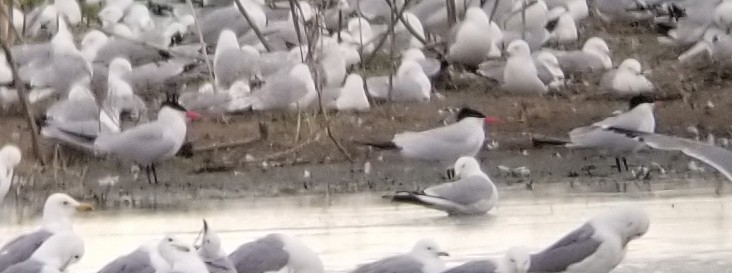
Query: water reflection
[[687, 234]]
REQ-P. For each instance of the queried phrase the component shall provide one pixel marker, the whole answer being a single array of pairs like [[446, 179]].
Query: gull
[[462, 138], [577, 8], [638, 118], [473, 194], [423, 258], [359, 34], [155, 256], [622, 10], [562, 29], [289, 89], [276, 252], [230, 18], [404, 39], [332, 64], [58, 213], [409, 84], [594, 56], [211, 252], [149, 143], [430, 66], [535, 14], [547, 69], [627, 79], [70, 10], [54, 255], [10, 157], [520, 74], [374, 10], [233, 63], [285, 29], [476, 38], [516, 260], [699, 16], [65, 66], [352, 96], [138, 19], [597, 246], [432, 14]]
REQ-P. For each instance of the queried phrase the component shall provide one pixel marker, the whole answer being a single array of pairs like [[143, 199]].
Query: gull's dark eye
[[76, 257], [170, 240], [66, 203]]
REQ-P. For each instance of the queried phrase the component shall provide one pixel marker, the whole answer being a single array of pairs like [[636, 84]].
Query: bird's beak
[[491, 120], [444, 254], [193, 116], [84, 207]]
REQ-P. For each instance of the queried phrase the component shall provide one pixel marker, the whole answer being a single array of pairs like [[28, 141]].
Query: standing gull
[[594, 56], [638, 118], [55, 255], [516, 260], [409, 84], [10, 156], [598, 246], [476, 38], [233, 63], [424, 258], [211, 252], [58, 213], [448, 143], [352, 95], [276, 252], [473, 194], [155, 256]]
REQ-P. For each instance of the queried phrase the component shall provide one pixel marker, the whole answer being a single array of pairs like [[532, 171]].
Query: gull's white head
[[170, 247], [60, 251], [111, 14], [10, 156], [551, 63], [227, 40], [119, 67], [596, 45], [427, 248], [353, 81], [250, 50], [210, 243], [409, 68], [465, 166], [91, 43], [477, 16], [628, 222], [518, 48], [122, 30], [631, 65], [138, 18], [518, 259], [59, 210], [63, 40], [358, 27], [187, 20], [301, 72]]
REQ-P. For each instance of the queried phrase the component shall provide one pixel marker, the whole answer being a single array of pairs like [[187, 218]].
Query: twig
[[296, 25], [384, 36], [8, 15], [291, 150], [523, 20], [493, 12], [451, 13], [203, 46], [392, 21], [418, 36], [234, 144], [22, 91], [252, 25]]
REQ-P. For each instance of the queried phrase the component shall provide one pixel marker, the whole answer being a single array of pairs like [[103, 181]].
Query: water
[[689, 233]]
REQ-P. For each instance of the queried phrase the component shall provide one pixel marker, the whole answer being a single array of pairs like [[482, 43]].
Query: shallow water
[[687, 234]]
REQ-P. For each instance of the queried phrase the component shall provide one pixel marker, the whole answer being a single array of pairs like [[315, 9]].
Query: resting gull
[[233, 63], [597, 246], [516, 260], [520, 74], [10, 157], [423, 258], [594, 56], [55, 255], [409, 84], [155, 256], [476, 38], [276, 252], [462, 138], [58, 213], [352, 96], [627, 79], [473, 194]]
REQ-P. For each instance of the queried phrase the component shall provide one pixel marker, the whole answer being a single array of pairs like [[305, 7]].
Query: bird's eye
[[170, 239], [429, 248], [76, 257], [66, 203]]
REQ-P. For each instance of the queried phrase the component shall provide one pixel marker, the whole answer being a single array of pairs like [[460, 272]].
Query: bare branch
[[203, 46], [254, 27]]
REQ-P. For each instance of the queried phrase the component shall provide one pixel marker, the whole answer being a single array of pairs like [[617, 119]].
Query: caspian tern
[[448, 143]]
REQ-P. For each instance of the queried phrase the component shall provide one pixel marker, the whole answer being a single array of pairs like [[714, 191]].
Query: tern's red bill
[[193, 115]]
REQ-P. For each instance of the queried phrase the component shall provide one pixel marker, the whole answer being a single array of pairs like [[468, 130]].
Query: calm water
[[687, 234]]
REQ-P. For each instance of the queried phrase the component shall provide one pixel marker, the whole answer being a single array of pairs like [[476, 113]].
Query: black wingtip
[[380, 145], [466, 112], [406, 197], [640, 99]]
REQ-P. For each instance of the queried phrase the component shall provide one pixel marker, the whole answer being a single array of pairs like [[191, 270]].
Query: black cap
[[466, 112], [172, 102], [635, 101]]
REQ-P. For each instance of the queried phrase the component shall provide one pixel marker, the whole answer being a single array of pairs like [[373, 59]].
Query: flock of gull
[[244, 55]]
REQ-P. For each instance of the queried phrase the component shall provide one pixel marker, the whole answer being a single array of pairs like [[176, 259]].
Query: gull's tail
[[539, 141], [405, 197]]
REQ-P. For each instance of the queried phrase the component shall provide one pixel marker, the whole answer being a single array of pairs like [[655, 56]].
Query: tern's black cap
[[469, 113], [172, 102], [639, 99]]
